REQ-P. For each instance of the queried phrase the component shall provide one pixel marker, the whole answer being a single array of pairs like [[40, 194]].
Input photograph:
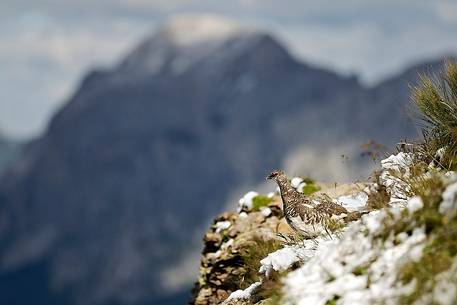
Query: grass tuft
[[252, 253], [436, 99]]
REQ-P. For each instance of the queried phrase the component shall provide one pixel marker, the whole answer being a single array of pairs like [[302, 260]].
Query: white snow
[[298, 184], [300, 187], [246, 200], [373, 221], [397, 162], [414, 204], [284, 258], [296, 181], [395, 168], [331, 271], [243, 215], [265, 211], [222, 225], [354, 202], [244, 294], [449, 203]]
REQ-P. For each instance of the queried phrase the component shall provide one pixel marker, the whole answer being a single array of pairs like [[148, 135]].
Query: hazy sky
[[46, 46]]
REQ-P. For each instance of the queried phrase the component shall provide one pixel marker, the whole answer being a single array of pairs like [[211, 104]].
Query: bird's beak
[[270, 176]]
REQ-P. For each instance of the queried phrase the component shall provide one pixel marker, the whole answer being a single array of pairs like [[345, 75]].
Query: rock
[[223, 268]]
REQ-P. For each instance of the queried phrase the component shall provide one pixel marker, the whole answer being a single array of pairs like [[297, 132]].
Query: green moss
[[311, 188], [260, 201]]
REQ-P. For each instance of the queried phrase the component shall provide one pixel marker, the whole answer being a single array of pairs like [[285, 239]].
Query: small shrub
[[436, 99]]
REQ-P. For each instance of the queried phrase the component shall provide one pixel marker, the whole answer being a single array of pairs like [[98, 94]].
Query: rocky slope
[[401, 251], [98, 208]]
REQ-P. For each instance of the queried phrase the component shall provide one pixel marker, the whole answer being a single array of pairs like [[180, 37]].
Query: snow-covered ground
[[362, 265], [359, 268]]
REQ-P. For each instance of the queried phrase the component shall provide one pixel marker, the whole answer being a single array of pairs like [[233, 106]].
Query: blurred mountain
[[123, 182], [8, 151], [393, 94]]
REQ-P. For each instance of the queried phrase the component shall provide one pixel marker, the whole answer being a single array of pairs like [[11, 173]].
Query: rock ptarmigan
[[301, 213]]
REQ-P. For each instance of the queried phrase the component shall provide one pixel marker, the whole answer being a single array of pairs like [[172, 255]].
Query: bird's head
[[274, 174]]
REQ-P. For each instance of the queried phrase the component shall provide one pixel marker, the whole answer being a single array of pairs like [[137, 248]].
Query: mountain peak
[[187, 30], [182, 41]]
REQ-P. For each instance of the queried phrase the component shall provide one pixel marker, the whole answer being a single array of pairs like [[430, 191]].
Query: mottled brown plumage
[[301, 213]]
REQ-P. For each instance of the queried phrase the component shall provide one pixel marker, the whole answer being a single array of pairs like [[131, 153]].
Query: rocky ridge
[[237, 241], [402, 251]]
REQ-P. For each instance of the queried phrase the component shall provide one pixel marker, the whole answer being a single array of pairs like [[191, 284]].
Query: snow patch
[[284, 258], [265, 211], [301, 186], [244, 294], [243, 215], [396, 167], [449, 203], [354, 202], [373, 221], [222, 225], [414, 204], [296, 181], [246, 200], [397, 162]]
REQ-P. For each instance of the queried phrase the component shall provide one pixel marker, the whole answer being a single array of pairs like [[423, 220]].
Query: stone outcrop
[[223, 268]]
